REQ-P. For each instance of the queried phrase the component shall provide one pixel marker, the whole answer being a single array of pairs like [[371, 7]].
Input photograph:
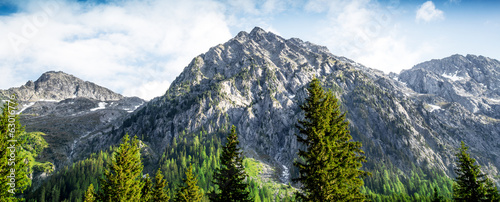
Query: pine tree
[[122, 180], [470, 182], [159, 193], [436, 197], [491, 191], [330, 170], [189, 192], [230, 176], [146, 193], [90, 194], [14, 165]]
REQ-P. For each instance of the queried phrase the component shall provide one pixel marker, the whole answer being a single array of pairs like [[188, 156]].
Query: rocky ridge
[[68, 110], [59, 86], [256, 81], [459, 97]]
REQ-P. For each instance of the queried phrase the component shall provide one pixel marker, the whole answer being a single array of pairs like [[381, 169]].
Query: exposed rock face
[[69, 110], [256, 81], [459, 97], [59, 86]]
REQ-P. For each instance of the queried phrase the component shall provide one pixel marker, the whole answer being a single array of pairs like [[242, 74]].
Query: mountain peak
[[57, 85], [52, 75], [257, 31]]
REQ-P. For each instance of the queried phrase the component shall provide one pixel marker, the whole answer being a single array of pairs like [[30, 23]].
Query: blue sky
[[137, 48]]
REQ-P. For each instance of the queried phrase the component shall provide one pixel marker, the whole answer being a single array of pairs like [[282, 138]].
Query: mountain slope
[[459, 97], [257, 80], [68, 109]]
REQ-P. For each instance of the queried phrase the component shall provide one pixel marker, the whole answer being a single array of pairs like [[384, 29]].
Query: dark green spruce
[[189, 191], [230, 177], [471, 185], [122, 181], [146, 189], [436, 197], [158, 192], [330, 165]]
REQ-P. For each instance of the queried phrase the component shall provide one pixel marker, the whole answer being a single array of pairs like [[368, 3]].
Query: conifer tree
[[14, 165], [470, 184], [146, 189], [436, 197], [90, 194], [230, 176], [122, 180], [332, 161], [159, 193], [189, 192], [491, 191]]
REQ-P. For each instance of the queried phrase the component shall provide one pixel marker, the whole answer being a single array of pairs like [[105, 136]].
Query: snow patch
[[434, 107], [26, 107], [132, 110], [291, 96], [453, 77], [494, 100], [45, 100], [101, 105], [285, 174]]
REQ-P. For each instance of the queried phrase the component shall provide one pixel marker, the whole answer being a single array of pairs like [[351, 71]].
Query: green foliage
[[146, 193], [34, 142], [491, 192], [230, 176], [122, 181], [388, 183], [14, 168], [331, 171], [189, 191], [470, 184], [436, 197], [90, 194], [202, 150], [159, 193], [70, 182]]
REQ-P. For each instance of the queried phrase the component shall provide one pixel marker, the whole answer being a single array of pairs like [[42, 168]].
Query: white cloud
[[428, 12], [368, 33], [131, 47]]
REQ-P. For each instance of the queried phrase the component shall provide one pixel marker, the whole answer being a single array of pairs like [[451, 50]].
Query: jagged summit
[[259, 48], [464, 79], [468, 65], [57, 85], [256, 31]]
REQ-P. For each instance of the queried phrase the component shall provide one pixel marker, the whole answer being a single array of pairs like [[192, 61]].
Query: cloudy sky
[[138, 47]]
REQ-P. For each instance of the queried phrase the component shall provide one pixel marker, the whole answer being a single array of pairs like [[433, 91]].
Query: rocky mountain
[[59, 86], [409, 123], [459, 98], [68, 109], [256, 81]]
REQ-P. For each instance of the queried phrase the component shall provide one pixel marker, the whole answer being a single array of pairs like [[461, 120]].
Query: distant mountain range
[[256, 81]]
